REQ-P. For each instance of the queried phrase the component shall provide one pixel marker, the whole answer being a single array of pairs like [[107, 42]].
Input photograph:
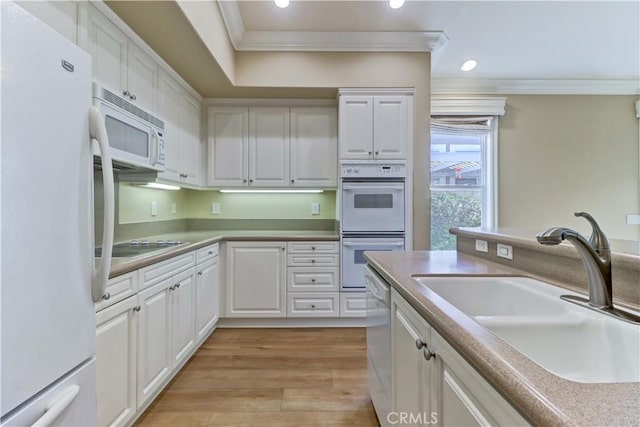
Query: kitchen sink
[[570, 341]]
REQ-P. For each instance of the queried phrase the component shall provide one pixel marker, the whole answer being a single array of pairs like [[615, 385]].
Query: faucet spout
[[596, 257]]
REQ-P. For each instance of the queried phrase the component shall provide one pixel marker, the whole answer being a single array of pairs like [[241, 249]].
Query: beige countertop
[[540, 396], [198, 239]]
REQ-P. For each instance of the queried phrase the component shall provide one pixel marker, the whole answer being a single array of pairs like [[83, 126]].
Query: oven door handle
[[373, 188], [349, 245]]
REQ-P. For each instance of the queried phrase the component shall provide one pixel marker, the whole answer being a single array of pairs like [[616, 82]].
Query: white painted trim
[[450, 105], [399, 91], [252, 102], [298, 322], [638, 108], [344, 41], [232, 21], [533, 87], [325, 41]]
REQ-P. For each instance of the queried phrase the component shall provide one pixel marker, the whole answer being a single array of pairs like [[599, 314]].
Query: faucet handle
[[598, 240]]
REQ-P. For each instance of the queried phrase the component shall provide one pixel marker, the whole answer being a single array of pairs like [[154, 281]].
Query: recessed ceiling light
[[396, 4], [281, 3], [469, 65]]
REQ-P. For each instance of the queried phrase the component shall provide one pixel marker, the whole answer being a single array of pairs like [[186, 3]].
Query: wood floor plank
[[314, 377], [322, 399]]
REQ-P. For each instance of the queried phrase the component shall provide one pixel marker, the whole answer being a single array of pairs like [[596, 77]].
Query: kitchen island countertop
[[541, 397]]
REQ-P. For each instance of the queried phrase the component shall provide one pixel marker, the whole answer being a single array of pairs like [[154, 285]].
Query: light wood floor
[[270, 377]]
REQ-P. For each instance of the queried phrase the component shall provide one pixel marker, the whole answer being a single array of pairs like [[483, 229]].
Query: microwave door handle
[[100, 276], [154, 147]]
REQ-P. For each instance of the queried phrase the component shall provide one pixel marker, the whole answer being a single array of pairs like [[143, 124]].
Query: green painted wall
[[135, 204]]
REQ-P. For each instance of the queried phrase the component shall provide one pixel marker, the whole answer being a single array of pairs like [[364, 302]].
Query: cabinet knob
[[106, 296], [244, 181], [177, 285], [136, 308], [377, 152], [126, 93], [370, 153], [199, 273], [210, 253], [313, 306], [313, 261], [428, 354], [250, 181], [313, 248], [292, 181], [420, 344], [313, 280], [132, 97]]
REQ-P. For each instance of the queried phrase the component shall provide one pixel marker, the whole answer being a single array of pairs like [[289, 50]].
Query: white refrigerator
[[48, 337]]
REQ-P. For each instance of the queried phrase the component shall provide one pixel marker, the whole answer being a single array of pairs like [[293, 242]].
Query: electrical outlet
[[174, 208], [215, 208], [504, 251], [315, 208], [154, 208], [482, 246]]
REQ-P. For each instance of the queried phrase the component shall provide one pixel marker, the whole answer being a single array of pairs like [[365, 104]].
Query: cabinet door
[[269, 146], [154, 360], [190, 147], [116, 339], [142, 77], [207, 297], [256, 279], [355, 127], [228, 146], [169, 111], [183, 318], [412, 374], [107, 46], [390, 127], [314, 147]]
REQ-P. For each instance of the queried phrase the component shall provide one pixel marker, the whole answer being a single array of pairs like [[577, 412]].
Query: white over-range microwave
[[136, 137]]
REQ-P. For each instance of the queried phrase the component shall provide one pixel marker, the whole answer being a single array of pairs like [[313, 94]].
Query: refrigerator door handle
[[55, 408], [100, 276]]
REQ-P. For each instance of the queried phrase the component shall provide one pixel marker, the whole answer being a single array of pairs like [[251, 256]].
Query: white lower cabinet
[[353, 304], [183, 316], [154, 359], [207, 296], [116, 340], [256, 279], [312, 304], [433, 384]]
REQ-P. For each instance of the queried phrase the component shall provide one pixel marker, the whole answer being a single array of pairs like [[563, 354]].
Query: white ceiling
[[523, 40]]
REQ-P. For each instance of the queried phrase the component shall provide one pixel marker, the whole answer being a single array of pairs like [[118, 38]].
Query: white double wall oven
[[374, 214]]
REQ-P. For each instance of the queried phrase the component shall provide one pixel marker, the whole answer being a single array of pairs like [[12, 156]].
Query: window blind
[[467, 125]]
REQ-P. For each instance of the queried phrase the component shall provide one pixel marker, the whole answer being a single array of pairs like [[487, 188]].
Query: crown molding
[[400, 91], [268, 102], [534, 87], [445, 105], [324, 41]]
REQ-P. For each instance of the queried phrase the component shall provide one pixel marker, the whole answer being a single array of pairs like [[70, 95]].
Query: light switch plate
[[482, 245], [174, 208], [504, 251], [315, 208], [154, 208], [215, 208], [633, 219]]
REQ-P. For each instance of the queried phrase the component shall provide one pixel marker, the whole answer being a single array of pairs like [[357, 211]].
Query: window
[[463, 167]]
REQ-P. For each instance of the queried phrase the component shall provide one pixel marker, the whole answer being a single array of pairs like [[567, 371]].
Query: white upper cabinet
[[314, 147], [183, 149], [269, 146], [228, 156], [118, 63], [375, 127]]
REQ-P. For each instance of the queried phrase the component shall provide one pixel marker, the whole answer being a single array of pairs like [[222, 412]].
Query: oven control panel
[[373, 170]]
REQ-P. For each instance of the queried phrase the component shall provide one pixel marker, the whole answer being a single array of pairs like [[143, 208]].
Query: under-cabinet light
[[396, 4], [271, 191], [281, 3], [469, 65], [158, 186]]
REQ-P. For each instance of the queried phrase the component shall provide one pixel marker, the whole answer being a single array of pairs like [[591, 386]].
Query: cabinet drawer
[[155, 273], [313, 279], [206, 253], [313, 260], [312, 304], [120, 288], [313, 247], [353, 304]]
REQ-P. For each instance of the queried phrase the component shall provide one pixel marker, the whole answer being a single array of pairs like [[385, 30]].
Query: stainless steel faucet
[[596, 257]]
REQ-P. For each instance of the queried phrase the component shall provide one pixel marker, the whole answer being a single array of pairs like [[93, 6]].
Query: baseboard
[[343, 322]]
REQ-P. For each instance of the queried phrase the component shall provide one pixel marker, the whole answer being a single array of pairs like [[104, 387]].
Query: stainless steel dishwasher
[[378, 343]]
